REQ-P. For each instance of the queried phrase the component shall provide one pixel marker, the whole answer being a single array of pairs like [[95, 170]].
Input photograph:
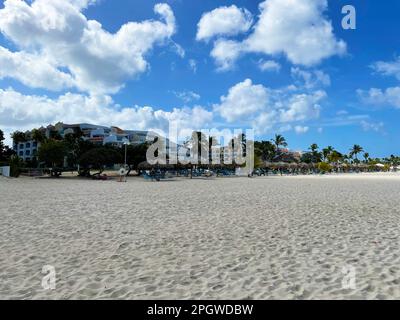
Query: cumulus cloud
[[224, 21], [388, 97], [96, 60], [301, 107], [225, 53], [297, 29], [269, 65], [378, 97], [310, 79], [243, 99], [266, 108], [33, 70]]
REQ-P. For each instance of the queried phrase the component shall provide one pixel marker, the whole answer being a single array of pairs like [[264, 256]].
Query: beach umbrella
[[380, 165]]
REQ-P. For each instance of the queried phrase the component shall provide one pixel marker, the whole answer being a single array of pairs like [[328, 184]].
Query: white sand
[[232, 238]]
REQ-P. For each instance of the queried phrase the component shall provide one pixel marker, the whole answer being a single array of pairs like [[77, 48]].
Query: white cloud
[[310, 79], [225, 53], [362, 120], [301, 107], [23, 112], [372, 126], [193, 65], [379, 97], [224, 21], [33, 70], [297, 29], [342, 113], [97, 61], [265, 108], [187, 96], [179, 50], [389, 97], [301, 129], [243, 99], [388, 68], [269, 65]]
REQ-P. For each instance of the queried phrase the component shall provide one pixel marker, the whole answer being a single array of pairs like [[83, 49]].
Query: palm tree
[[366, 157], [335, 157], [38, 135], [278, 141], [326, 152], [315, 155], [355, 151], [314, 147]]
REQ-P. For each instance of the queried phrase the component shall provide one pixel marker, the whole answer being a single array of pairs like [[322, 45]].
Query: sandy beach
[[225, 238]]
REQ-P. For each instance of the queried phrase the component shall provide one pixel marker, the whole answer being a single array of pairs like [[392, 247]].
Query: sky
[[275, 66]]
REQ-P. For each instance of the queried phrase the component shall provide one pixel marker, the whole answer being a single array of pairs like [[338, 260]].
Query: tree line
[[272, 151], [72, 151]]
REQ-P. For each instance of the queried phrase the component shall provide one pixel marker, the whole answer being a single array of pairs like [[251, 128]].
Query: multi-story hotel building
[[96, 134]]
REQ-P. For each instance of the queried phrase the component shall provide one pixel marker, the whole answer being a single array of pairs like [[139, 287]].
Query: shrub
[[16, 165], [324, 167]]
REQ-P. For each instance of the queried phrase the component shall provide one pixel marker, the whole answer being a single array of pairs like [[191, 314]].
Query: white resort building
[[100, 135]]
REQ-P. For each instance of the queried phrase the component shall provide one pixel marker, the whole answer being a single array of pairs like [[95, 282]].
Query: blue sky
[[82, 60]]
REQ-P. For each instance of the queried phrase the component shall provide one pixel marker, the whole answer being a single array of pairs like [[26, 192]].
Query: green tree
[[278, 141], [55, 135], [99, 159], [315, 155], [2, 147], [335, 157], [5, 152], [52, 153], [76, 147], [265, 150], [18, 137], [324, 167], [355, 150], [16, 164], [326, 152], [366, 157], [314, 147], [136, 154], [38, 136]]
